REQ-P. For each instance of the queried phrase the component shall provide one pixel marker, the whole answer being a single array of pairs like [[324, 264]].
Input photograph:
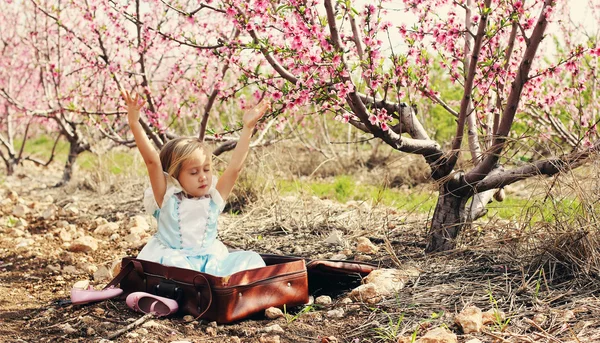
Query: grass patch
[[535, 210], [344, 188]]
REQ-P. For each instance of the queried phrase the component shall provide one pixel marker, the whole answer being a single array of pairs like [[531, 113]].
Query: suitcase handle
[[200, 294]]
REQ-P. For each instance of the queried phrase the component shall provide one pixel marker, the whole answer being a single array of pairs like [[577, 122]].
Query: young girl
[[186, 198]]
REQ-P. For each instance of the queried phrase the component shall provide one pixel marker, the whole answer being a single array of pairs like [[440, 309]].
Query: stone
[[273, 313], [82, 284], [138, 222], [84, 244], [438, 335], [275, 328], [390, 281], [366, 293], [492, 316], [20, 210], [211, 331], [188, 318], [67, 328], [50, 212], [70, 270], [474, 340], [102, 274], [336, 313], [340, 257], [269, 339], [470, 319], [65, 235], [107, 229], [335, 237], [364, 245], [323, 300]]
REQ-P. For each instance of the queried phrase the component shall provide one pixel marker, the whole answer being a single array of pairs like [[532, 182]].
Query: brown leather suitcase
[[284, 281]]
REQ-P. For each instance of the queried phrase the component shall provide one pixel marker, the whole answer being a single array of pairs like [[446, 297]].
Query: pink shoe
[[150, 303], [84, 296]]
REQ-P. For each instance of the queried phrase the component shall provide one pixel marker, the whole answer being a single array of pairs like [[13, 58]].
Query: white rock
[[492, 316], [100, 221], [17, 232], [20, 210], [70, 270], [90, 268], [188, 318], [366, 293], [102, 274], [114, 237], [138, 222], [82, 284], [48, 199], [50, 212], [336, 313], [364, 245], [84, 244], [275, 328], [24, 242], [107, 229], [65, 235], [438, 335], [269, 339], [53, 267], [273, 313], [391, 281], [470, 319], [340, 257], [335, 237], [346, 301], [62, 224], [67, 328], [323, 300], [474, 340]]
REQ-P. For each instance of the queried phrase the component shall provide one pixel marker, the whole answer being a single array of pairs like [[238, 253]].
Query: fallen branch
[[131, 326]]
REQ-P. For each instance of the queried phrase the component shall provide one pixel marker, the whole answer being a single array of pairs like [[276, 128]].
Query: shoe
[[83, 296], [150, 303]]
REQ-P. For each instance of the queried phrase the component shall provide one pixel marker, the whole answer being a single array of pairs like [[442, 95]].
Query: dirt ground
[[37, 271]]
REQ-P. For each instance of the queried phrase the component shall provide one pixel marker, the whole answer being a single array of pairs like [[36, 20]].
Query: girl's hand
[[251, 117], [133, 106]]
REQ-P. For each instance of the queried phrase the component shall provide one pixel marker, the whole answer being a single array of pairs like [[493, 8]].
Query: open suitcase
[[286, 280]]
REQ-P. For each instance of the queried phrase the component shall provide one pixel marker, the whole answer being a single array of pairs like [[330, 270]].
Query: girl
[[186, 198]]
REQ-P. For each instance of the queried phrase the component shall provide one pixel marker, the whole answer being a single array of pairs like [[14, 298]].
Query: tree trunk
[[449, 217], [10, 166], [76, 147]]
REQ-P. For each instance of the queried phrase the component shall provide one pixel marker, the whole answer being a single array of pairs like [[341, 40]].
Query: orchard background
[[459, 137]]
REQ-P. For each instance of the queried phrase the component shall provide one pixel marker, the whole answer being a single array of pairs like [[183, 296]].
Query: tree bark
[[76, 147], [449, 217]]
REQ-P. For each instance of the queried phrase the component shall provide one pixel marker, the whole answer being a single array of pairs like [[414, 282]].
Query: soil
[[490, 270]]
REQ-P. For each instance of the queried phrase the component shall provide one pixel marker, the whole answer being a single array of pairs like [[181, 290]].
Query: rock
[[438, 335], [99, 221], [107, 229], [24, 242], [132, 335], [15, 232], [273, 313], [90, 268], [404, 339], [114, 237], [65, 235], [138, 224], [340, 257], [82, 284], [269, 339], [102, 274], [48, 199], [474, 340], [70, 210], [363, 258], [12, 195], [20, 210], [211, 331], [492, 316], [335, 237], [50, 212], [568, 315], [346, 301], [470, 319], [87, 320], [391, 281], [235, 339], [132, 238], [62, 224], [67, 328], [323, 300], [21, 223], [54, 268], [336, 313], [84, 244], [70, 270], [188, 318], [366, 293], [275, 328], [90, 331], [364, 245]]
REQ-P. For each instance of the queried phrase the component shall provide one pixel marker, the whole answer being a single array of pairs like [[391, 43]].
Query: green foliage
[[390, 332]]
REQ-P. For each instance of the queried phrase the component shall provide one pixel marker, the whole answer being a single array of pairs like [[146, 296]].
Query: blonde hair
[[176, 151]]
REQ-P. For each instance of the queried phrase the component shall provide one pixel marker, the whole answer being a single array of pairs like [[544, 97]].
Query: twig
[[131, 326]]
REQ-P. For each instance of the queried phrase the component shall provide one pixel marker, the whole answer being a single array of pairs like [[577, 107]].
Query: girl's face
[[195, 176]]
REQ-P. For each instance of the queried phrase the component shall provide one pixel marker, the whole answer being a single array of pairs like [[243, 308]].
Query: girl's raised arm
[[231, 173], [149, 154]]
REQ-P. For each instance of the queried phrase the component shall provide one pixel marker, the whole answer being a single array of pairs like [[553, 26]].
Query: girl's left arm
[[231, 173]]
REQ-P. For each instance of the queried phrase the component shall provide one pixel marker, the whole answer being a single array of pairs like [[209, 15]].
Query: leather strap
[[125, 270], [209, 294]]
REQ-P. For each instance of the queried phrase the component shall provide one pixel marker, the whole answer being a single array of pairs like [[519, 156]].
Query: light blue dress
[[187, 234]]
